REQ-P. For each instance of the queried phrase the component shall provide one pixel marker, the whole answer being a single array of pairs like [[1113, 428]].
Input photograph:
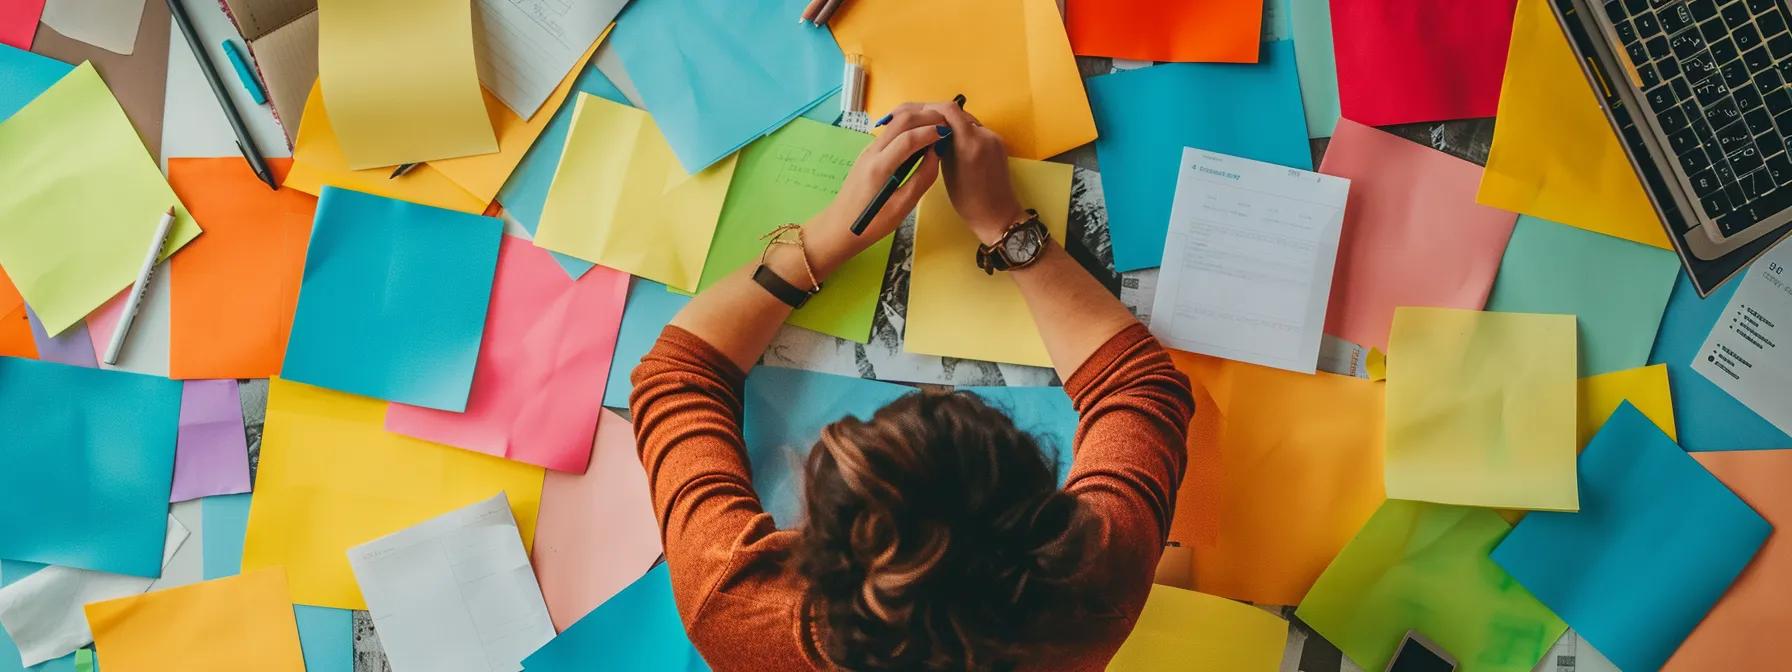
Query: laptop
[[1700, 94]]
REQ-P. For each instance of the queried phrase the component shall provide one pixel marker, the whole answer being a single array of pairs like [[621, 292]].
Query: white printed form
[[1247, 268], [1749, 351], [454, 593], [526, 47]]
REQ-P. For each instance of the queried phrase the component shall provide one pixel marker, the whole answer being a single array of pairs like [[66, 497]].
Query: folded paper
[[318, 161], [212, 453]]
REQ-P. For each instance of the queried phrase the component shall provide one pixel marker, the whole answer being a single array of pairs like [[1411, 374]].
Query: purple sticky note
[[211, 456], [73, 347]]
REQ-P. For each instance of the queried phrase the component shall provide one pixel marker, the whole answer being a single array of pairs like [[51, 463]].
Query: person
[[936, 536]]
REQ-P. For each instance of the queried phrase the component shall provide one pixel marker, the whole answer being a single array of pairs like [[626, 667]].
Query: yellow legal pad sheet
[[242, 622], [80, 199], [1185, 630], [1481, 409], [401, 81], [957, 310], [621, 199], [332, 477]]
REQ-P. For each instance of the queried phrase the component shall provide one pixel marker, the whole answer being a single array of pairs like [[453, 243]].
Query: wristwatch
[[1020, 245]]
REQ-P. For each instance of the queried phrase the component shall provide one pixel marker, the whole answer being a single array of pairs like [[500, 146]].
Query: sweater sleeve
[[687, 415], [1130, 453]]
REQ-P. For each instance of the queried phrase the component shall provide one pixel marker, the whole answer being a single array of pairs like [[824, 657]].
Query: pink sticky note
[[1405, 61], [596, 532], [211, 454], [1413, 233], [18, 22], [539, 381]]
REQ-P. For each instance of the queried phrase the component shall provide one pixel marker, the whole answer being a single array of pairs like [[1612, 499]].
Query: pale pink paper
[[596, 532], [543, 365], [1413, 233]]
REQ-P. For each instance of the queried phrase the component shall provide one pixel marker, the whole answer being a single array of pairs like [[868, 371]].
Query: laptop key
[[1771, 24], [1673, 121], [1734, 73], [1733, 137], [1687, 44], [1682, 89], [1683, 141], [1735, 14], [1758, 6], [1780, 166], [1705, 182], [1724, 50], [1657, 47], [1720, 169], [1780, 46], [1660, 97], [1698, 67], [1695, 161], [1783, 120], [1770, 143], [1734, 222], [1757, 59], [1667, 68], [1715, 203], [1756, 184], [1647, 25], [1674, 19], [1711, 91], [1713, 29], [1646, 73], [1722, 114], [1746, 98], [1759, 121], [1746, 161], [1637, 53], [1746, 37]]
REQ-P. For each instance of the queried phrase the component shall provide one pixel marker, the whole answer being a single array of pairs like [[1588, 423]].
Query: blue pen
[[244, 73]]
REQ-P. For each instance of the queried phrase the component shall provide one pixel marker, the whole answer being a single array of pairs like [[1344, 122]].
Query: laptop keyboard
[[1718, 74]]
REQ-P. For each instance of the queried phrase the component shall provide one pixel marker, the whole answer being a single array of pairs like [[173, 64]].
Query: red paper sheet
[[18, 22], [1206, 31], [1407, 61]]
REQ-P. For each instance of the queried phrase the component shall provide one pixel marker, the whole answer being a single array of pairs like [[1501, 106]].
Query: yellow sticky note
[[1481, 409], [957, 310], [484, 174], [1554, 154], [400, 80], [318, 161], [1646, 388], [1186, 630], [242, 622], [1284, 469], [1010, 58], [621, 199], [80, 200], [332, 477]]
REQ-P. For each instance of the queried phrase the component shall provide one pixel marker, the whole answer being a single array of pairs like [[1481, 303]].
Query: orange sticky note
[[483, 174], [1295, 470], [318, 160], [15, 327], [233, 290], [1746, 630], [1208, 31], [242, 622]]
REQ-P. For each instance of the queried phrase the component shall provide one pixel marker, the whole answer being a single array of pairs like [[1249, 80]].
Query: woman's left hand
[[828, 235]]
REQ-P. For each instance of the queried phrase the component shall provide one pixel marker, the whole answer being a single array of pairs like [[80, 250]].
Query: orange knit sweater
[[743, 608]]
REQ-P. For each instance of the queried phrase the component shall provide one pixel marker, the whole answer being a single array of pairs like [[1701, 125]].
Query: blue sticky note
[[717, 75], [1147, 116], [649, 309], [23, 75], [1615, 288], [638, 629], [784, 411], [89, 460], [393, 301], [1657, 541], [524, 194], [326, 636], [1706, 417], [9, 652]]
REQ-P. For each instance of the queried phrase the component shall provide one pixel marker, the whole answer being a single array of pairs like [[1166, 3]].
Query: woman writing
[[936, 536]]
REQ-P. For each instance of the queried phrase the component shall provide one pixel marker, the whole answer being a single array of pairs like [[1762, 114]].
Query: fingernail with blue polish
[[944, 131], [884, 120]]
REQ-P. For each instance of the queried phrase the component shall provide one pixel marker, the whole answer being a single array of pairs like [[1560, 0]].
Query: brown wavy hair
[[937, 539]]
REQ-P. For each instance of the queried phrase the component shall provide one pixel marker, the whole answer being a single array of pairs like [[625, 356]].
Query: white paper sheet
[[526, 47], [454, 593], [193, 123], [1248, 260], [1749, 351], [146, 348], [43, 612], [107, 24], [606, 61]]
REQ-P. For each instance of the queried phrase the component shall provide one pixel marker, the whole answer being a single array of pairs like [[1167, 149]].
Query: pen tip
[[170, 211]]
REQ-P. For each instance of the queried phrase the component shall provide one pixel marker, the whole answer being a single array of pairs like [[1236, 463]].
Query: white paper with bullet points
[[1749, 352]]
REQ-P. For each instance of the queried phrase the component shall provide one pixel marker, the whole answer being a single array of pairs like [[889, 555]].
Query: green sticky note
[[785, 178], [1617, 288], [81, 201], [1311, 23], [84, 661], [1424, 567]]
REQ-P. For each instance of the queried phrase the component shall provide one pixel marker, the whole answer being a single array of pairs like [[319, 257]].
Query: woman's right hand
[[976, 174]]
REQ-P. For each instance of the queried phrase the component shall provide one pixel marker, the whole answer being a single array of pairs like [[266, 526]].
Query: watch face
[[1023, 245]]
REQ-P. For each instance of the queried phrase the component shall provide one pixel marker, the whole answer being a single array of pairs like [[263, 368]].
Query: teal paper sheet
[[1706, 418], [1311, 23], [326, 636], [393, 301], [650, 307], [23, 75], [638, 629], [88, 464]]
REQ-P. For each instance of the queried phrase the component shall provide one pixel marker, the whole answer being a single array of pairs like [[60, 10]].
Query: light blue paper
[[393, 301], [1705, 417], [524, 194], [88, 461], [326, 636], [650, 307], [784, 411], [638, 629], [23, 75], [1615, 288], [9, 652], [717, 75], [1657, 541], [1311, 23], [1147, 116]]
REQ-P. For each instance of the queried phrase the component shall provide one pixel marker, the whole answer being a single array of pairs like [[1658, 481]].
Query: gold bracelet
[[776, 237]]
